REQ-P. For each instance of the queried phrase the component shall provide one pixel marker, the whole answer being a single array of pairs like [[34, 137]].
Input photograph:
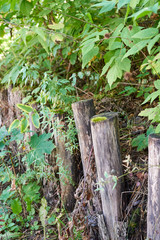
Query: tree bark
[[105, 136], [83, 111], [153, 212]]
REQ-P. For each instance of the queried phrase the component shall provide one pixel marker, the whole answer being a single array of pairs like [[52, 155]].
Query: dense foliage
[[55, 50]]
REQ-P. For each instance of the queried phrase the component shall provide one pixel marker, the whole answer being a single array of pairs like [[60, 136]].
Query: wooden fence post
[[105, 137], [153, 211], [67, 167], [83, 111]]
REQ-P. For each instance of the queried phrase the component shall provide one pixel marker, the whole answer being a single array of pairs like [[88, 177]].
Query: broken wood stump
[[104, 128], [83, 111], [153, 211]]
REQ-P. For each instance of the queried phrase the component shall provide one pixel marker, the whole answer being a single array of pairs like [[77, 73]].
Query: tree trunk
[[105, 136], [83, 111], [153, 212]]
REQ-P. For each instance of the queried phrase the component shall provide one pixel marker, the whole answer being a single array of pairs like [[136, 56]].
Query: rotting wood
[[153, 211], [67, 167], [83, 111], [105, 136]]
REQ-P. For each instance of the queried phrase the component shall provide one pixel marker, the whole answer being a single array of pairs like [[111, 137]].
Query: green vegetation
[[98, 119], [57, 52]]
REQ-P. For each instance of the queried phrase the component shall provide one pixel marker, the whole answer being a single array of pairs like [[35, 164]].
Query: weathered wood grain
[[83, 111], [153, 211], [105, 137]]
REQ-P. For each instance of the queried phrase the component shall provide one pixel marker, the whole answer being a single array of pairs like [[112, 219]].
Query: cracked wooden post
[[67, 166], [83, 111], [105, 137], [153, 211]]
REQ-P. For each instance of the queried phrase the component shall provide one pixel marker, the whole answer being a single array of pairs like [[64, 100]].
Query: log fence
[[101, 132]]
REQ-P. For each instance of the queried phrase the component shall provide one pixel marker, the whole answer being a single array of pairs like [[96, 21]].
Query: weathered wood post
[[105, 136], [153, 212], [83, 111], [67, 167]]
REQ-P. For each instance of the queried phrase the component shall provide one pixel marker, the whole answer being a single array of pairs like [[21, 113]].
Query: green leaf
[[157, 130], [43, 212], [16, 206], [40, 32], [152, 42], [41, 145], [57, 37], [146, 33], [43, 43], [106, 67], [14, 124], [24, 124], [31, 192], [35, 119], [56, 26], [23, 35], [150, 130], [14, 74], [106, 6], [25, 108], [148, 112], [121, 3], [141, 142], [26, 7], [136, 48], [73, 58], [87, 57], [145, 11], [157, 84], [152, 97], [125, 64], [114, 73], [134, 3]]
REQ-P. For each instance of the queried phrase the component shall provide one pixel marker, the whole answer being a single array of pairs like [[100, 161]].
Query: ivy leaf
[[41, 145], [35, 119], [87, 57], [114, 73], [146, 33], [14, 124], [136, 48], [25, 108], [26, 7], [16, 206]]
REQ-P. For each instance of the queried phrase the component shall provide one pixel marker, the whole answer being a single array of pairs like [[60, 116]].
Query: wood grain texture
[[67, 167], [83, 111], [153, 212], [108, 159]]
